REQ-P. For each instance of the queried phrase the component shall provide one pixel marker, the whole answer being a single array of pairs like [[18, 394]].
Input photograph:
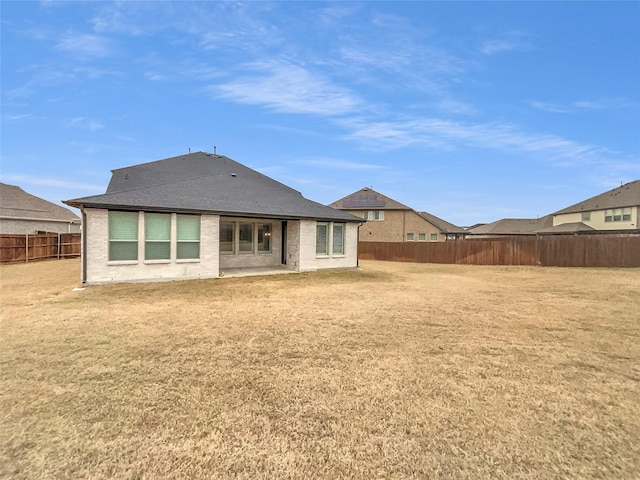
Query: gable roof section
[[513, 226], [627, 195], [17, 204], [443, 225], [572, 227], [367, 199], [206, 183]]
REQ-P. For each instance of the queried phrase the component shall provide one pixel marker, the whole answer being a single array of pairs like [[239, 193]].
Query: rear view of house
[[195, 215], [22, 213]]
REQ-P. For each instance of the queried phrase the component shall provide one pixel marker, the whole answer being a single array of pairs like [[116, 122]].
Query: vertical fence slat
[[16, 248]]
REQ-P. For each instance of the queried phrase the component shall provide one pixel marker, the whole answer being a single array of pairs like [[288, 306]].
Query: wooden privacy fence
[[16, 248], [552, 250]]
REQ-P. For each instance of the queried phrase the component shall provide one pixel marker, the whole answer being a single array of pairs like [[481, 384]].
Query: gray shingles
[[627, 195], [16, 203], [206, 183]]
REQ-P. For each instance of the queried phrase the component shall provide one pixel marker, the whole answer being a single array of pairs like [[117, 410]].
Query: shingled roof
[[513, 226], [443, 225], [627, 195], [15, 203], [206, 183], [368, 199]]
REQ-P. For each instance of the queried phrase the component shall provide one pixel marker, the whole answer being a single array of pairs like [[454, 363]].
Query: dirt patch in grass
[[393, 371]]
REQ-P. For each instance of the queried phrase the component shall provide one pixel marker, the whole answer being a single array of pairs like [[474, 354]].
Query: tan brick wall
[[395, 226]]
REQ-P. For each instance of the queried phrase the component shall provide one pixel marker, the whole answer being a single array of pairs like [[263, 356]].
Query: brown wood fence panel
[[16, 248], [617, 250]]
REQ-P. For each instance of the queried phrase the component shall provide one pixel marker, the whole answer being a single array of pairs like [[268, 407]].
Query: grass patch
[[392, 371]]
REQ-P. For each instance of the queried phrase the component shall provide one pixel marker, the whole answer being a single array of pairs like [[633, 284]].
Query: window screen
[[188, 233], [123, 236], [157, 236], [322, 237], [338, 238]]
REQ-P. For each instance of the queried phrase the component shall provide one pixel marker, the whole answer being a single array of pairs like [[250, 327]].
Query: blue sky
[[472, 111]]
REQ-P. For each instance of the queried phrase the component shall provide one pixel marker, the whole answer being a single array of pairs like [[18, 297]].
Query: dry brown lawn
[[394, 371]]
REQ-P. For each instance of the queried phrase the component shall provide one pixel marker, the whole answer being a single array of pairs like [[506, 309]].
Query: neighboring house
[[21, 212], [511, 226], [614, 211], [391, 221], [195, 215]]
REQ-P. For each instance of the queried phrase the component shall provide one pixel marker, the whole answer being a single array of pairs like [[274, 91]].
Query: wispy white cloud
[[448, 135], [15, 118], [289, 89], [451, 106], [51, 182], [84, 123], [601, 104], [86, 45], [505, 43], [549, 107]]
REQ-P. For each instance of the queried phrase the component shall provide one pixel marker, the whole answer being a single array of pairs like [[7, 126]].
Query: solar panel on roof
[[364, 200]]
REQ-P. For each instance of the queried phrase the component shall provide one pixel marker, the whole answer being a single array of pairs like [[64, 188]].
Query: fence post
[[58, 246], [26, 246]]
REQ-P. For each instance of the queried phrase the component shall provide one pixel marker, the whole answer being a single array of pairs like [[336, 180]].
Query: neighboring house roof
[[513, 226], [206, 183], [572, 227], [368, 199], [17, 204], [443, 225], [627, 195]]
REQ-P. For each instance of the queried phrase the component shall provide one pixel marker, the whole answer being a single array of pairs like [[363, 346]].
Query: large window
[[322, 239], [157, 236], [338, 238], [123, 236], [246, 237], [227, 237], [618, 215], [374, 215], [188, 236], [264, 238], [330, 239]]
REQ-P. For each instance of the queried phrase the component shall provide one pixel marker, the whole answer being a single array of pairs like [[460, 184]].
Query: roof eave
[[148, 208]]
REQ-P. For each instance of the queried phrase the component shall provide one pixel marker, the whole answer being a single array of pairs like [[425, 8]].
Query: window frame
[[325, 252], [185, 242], [410, 237], [343, 236], [149, 242], [111, 215], [422, 237], [233, 238], [266, 231], [432, 235], [248, 228]]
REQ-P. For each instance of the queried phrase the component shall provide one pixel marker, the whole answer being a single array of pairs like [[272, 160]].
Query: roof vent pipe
[[214, 150], [189, 149]]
